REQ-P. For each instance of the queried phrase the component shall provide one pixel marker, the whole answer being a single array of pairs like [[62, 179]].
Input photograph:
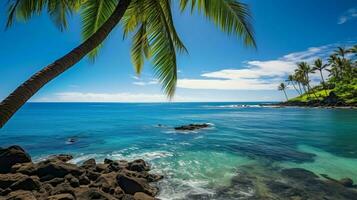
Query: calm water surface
[[320, 140]]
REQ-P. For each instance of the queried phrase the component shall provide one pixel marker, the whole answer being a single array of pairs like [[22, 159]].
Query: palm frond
[[94, 14], [233, 17]]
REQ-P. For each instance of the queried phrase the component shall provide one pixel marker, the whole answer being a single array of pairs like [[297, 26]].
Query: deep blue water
[[321, 140]]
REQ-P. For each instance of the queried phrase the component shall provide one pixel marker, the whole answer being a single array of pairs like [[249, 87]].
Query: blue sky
[[217, 67]]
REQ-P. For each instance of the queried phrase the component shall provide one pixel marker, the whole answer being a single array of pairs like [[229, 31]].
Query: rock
[[6, 180], [54, 182], [347, 182], [61, 197], [131, 185], [118, 193], [298, 173], [21, 195], [128, 197], [61, 157], [83, 180], [92, 194], [48, 170], [191, 127], [101, 167], [63, 188], [138, 166], [73, 181], [26, 183], [92, 175], [142, 196], [107, 161], [24, 168], [89, 164], [11, 156]]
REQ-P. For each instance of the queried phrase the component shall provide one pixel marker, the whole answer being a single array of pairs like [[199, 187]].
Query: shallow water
[[194, 163]]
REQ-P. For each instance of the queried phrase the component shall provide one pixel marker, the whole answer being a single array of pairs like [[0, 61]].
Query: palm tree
[[341, 51], [291, 79], [305, 68], [318, 65], [149, 22], [282, 87]]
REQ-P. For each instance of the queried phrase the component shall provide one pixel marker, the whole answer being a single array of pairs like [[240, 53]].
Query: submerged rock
[[55, 179], [192, 127]]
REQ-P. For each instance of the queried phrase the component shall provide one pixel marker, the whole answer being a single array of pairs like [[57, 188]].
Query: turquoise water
[[320, 140]]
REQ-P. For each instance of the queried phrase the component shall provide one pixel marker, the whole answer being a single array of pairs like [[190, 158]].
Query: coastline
[[57, 179]]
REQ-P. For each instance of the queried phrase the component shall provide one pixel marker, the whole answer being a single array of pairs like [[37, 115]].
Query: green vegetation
[[342, 78], [149, 23]]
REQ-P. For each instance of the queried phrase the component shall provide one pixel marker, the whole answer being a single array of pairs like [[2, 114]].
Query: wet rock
[[299, 173], [11, 156], [131, 185], [347, 182], [73, 181], [138, 166], [192, 127], [83, 180], [61, 158], [55, 181], [49, 170], [89, 164], [61, 197], [92, 175], [108, 161], [142, 196]]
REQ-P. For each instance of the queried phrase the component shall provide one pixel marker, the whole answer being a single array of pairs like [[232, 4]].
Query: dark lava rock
[[61, 158], [191, 127], [55, 179], [347, 182], [138, 166], [131, 185], [298, 173], [61, 197], [11, 156], [49, 170]]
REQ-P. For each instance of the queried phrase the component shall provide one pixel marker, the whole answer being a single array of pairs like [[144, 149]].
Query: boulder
[[47, 170], [83, 180], [142, 196], [92, 194], [26, 183], [138, 166], [73, 181], [347, 182], [11, 156], [63, 188], [21, 195], [88, 164], [61, 197], [24, 168], [6, 180], [61, 158], [131, 185], [191, 127]]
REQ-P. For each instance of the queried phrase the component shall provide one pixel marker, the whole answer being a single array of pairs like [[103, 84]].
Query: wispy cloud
[[256, 74], [348, 15], [107, 97]]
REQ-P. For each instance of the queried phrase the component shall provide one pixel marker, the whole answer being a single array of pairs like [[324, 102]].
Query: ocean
[[196, 163]]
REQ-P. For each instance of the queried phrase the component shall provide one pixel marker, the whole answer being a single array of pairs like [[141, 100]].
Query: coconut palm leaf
[[94, 14]]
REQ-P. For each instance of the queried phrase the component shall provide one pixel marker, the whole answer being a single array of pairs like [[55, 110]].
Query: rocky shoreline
[[331, 101], [56, 179]]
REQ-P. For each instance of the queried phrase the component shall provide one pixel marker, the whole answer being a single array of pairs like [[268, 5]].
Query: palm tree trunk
[[300, 88], [323, 82], [17, 98], [286, 96], [295, 87]]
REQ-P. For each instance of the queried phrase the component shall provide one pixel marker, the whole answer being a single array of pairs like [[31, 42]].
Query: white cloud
[[107, 97], [348, 15], [256, 74], [143, 83]]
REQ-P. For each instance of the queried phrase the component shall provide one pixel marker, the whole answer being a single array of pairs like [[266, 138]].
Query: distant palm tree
[[319, 66], [305, 68], [291, 80], [282, 87], [341, 51], [149, 22]]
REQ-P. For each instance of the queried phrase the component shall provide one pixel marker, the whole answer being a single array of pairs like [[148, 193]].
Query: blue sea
[[194, 163]]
